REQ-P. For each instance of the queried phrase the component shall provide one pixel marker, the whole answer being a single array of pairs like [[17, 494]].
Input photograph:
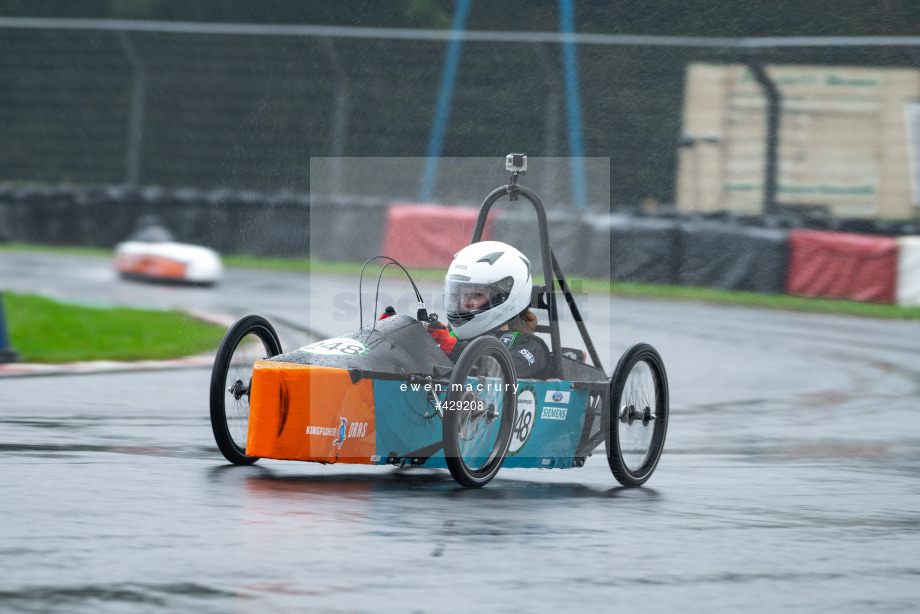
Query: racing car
[[151, 254], [386, 394]]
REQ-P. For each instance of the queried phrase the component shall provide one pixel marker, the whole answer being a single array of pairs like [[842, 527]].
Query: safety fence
[[821, 257], [246, 107]]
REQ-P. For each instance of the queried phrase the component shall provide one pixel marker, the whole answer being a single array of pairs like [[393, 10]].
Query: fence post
[[135, 140], [573, 102], [7, 354], [340, 117], [774, 108]]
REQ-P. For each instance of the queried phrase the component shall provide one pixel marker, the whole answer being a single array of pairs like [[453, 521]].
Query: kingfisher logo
[[343, 427], [341, 432]]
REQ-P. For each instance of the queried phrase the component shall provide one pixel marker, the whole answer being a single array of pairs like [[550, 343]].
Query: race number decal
[[523, 419], [337, 346]]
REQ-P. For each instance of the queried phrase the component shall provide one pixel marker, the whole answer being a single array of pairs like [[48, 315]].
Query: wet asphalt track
[[790, 480]]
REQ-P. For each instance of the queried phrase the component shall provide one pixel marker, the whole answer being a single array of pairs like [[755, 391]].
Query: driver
[[487, 291]]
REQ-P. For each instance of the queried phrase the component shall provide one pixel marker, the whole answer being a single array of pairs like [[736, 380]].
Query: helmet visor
[[464, 299]]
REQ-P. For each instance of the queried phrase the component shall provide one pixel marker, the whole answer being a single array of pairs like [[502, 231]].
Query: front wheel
[[478, 413], [637, 420], [250, 339]]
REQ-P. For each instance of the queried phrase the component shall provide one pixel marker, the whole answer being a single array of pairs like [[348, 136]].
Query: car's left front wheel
[[250, 339]]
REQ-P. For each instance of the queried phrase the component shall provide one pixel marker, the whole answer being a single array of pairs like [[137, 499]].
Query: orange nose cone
[[304, 412]]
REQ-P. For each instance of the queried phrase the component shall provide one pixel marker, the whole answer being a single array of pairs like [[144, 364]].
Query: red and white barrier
[[909, 271], [842, 266], [428, 236]]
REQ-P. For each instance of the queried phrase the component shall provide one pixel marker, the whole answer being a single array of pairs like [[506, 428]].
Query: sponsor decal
[[337, 346], [546, 461], [341, 432], [523, 419], [526, 354], [554, 413], [358, 429], [557, 396], [508, 339], [343, 426], [322, 431], [375, 458]]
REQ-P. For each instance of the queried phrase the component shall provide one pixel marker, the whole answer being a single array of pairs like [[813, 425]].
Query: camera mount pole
[[513, 185]]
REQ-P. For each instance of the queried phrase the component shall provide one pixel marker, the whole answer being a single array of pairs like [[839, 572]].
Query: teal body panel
[[547, 426], [550, 438], [406, 421]]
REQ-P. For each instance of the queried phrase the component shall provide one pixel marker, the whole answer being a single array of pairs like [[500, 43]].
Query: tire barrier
[[4, 225], [643, 250], [617, 246], [347, 231], [577, 251], [722, 251], [842, 266], [718, 255], [230, 222]]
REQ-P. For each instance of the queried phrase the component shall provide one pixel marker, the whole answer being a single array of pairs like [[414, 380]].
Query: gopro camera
[[516, 163]]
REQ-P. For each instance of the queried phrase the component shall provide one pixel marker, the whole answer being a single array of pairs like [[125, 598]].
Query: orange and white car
[[168, 261]]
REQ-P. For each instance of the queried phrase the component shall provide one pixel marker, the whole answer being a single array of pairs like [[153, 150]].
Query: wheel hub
[[629, 414], [238, 389]]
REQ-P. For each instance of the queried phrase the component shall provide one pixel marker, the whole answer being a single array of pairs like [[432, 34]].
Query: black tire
[[637, 420], [231, 379], [474, 446]]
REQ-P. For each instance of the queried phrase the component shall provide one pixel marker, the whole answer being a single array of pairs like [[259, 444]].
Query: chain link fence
[[247, 107]]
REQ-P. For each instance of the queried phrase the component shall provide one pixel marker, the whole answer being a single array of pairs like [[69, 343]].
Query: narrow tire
[[637, 418], [455, 419], [222, 392]]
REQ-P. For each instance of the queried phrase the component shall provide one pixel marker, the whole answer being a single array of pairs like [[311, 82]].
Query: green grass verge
[[765, 301], [43, 330]]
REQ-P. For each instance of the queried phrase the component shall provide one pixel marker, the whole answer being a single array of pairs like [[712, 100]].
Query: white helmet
[[487, 284]]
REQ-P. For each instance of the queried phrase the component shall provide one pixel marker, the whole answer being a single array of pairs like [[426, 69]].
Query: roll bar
[[544, 296]]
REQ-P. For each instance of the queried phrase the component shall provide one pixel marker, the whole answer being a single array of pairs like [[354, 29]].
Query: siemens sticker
[[554, 413]]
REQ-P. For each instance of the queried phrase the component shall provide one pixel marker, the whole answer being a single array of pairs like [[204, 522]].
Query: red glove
[[389, 311], [442, 337]]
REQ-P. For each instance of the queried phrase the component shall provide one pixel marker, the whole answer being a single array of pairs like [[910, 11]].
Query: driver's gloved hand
[[441, 336], [389, 311]]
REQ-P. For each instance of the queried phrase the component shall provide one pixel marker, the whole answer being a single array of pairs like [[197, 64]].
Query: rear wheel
[[250, 339], [637, 420], [478, 413]]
